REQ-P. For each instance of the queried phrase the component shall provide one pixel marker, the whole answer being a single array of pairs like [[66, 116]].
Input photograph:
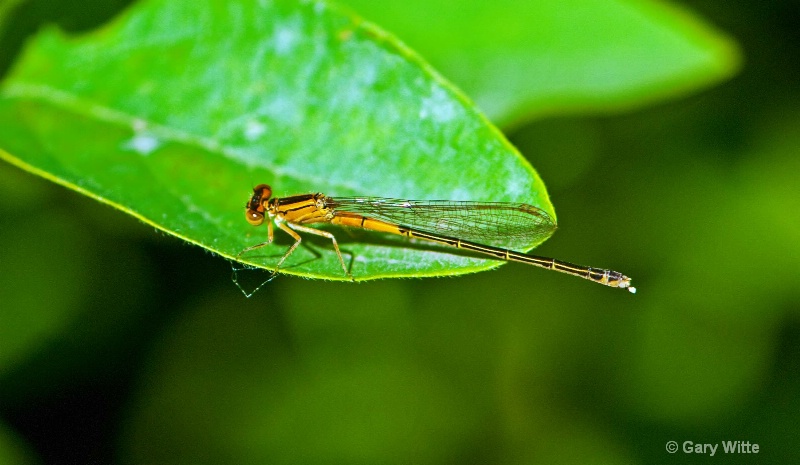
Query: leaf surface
[[175, 110]]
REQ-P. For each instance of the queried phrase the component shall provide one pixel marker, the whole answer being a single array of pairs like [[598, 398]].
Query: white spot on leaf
[[286, 38], [285, 109], [143, 144], [438, 106], [139, 125], [253, 129]]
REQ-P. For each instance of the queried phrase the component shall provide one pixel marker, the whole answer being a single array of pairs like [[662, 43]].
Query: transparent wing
[[508, 225]]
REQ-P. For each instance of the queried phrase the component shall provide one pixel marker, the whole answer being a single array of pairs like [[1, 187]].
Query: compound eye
[[253, 217], [263, 191]]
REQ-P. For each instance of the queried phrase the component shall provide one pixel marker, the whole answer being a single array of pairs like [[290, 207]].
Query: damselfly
[[462, 224]]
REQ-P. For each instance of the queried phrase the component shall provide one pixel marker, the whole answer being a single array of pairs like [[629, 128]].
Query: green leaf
[[173, 112], [523, 58]]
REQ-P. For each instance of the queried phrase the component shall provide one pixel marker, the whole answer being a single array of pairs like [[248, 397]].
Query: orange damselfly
[[462, 224]]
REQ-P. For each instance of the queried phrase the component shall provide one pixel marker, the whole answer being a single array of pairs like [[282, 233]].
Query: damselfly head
[[261, 193], [256, 205]]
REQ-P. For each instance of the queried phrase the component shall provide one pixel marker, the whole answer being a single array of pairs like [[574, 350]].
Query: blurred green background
[[122, 345]]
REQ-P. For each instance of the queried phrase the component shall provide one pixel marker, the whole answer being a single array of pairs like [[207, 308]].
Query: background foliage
[[121, 344]]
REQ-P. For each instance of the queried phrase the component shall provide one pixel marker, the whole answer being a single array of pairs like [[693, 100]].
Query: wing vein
[[501, 224]]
